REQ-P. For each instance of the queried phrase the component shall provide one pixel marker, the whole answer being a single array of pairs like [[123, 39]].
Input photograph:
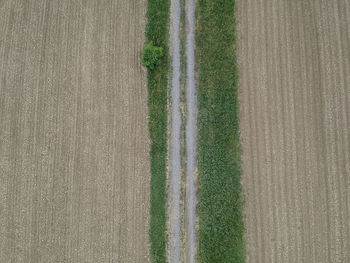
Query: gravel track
[[175, 143], [294, 65], [191, 134], [190, 140]]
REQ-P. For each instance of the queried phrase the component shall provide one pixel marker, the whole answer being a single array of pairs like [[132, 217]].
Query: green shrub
[[151, 55]]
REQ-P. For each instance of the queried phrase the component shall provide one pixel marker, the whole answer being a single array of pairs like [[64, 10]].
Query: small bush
[[151, 55]]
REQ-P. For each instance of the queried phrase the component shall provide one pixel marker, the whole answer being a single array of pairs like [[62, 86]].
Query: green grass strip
[[220, 203], [156, 31]]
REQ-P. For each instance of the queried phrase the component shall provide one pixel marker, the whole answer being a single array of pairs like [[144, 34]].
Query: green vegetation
[[151, 55], [157, 33], [220, 203]]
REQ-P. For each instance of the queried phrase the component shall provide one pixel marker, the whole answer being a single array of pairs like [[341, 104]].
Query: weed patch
[[156, 32], [220, 204]]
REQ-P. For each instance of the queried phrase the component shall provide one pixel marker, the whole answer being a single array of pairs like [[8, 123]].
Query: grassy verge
[[220, 204], [156, 31]]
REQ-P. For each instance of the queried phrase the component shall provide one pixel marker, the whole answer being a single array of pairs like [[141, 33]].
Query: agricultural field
[[294, 90], [74, 143], [233, 145]]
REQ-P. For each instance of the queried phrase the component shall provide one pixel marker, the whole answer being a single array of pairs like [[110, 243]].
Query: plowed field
[[294, 70], [74, 166]]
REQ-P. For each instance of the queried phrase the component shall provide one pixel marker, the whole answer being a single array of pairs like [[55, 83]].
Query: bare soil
[[74, 146], [294, 68]]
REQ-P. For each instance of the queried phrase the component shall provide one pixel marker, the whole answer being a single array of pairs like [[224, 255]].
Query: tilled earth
[[294, 68], [74, 165]]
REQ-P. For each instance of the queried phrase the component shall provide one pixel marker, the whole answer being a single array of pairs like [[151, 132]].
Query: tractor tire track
[[175, 142], [191, 134], [175, 215]]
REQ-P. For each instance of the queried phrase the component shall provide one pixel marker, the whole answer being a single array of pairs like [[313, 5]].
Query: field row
[[74, 146], [294, 65]]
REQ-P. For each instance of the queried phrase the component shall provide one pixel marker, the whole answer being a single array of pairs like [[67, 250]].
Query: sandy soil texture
[[74, 167], [294, 68]]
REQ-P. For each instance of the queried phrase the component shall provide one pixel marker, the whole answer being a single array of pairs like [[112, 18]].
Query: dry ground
[[74, 168], [294, 68]]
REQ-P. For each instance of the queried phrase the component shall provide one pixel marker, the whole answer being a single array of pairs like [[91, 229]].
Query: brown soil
[[294, 68], [74, 166]]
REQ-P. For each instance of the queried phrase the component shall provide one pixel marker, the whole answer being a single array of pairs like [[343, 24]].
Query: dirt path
[[74, 147], [175, 143], [191, 134], [294, 64], [190, 140]]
